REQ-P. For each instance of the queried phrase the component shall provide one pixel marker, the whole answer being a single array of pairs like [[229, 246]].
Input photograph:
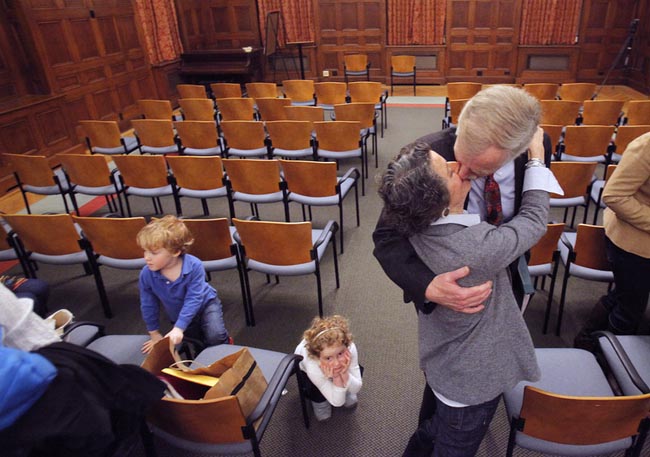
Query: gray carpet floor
[[384, 327]]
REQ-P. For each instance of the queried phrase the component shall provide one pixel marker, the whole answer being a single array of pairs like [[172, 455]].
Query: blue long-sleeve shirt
[[181, 299]]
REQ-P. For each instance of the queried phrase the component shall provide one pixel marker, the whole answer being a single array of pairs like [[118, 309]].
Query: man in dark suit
[[494, 130]]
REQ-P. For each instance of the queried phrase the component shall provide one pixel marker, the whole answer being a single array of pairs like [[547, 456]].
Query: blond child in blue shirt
[[176, 281]]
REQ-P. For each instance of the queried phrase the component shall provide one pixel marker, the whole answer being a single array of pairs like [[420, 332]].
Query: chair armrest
[[332, 227], [275, 386], [349, 173], [634, 375], [100, 331]]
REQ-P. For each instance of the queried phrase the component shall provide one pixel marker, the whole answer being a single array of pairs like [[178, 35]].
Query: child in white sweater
[[331, 362]]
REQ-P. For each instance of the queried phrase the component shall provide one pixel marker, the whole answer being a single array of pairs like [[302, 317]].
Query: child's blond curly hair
[[325, 332], [169, 233]]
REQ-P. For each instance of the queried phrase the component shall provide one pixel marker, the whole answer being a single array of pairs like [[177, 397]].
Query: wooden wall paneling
[[481, 39], [38, 125], [554, 64], [605, 25], [350, 27], [639, 69]]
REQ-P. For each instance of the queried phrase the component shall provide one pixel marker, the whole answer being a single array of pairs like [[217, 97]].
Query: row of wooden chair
[[301, 92], [62, 239], [592, 143], [256, 182]]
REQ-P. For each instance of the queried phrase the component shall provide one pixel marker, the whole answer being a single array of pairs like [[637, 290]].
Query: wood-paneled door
[[482, 37]]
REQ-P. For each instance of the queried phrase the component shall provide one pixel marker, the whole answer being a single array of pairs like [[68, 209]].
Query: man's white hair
[[501, 116]]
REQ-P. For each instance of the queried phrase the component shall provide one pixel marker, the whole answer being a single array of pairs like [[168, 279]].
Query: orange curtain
[[297, 18], [160, 29], [550, 22], [416, 22]]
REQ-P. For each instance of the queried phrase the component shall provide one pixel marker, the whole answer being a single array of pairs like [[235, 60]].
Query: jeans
[[452, 432], [208, 326], [629, 298]]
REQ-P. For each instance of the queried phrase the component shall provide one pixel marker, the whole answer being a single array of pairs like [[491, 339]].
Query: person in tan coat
[[627, 229]]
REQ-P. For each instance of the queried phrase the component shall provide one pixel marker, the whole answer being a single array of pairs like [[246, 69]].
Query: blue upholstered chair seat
[[258, 198], [585, 379], [65, 259], [570, 158], [123, 264], [247, 152], [346, 185], [580, 271], [540, 270], [159, 149], [130, 143], [338, 154], [150, 192], [121, 348], [209, 193], [103, 190], [567, 202], [215, 151], [293, 153]]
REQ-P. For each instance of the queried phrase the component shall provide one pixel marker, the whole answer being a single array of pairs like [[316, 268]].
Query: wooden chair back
[[49, 234], [338, 135], [305, 113], [156, 109], [253, 176], [560, 112], [543, 250], [272, 109], [244, 134], [542, 91], [608, 172], [602, 112], [236, 109], [587, 140], [355, 62], [197, 134], [365, 92], [262, 90], [364, 113], [191, 91], [313, 179], [276, 243], [86, 170], [577, 92], [114, 237], [290, 135], [299, 90], [638, 112], [197, 109], [212, 240], [218, 420], [154, 132], [402, 64], [148, 171], [581, 421], [31, 170], [590, 247], [330, 93], [460, 91], [104, 134], [554, 132], [455, 107], [625, 134], [226, 90], [197, 173], [574, 177]]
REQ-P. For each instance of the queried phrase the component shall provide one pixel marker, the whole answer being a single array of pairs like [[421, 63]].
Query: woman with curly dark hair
[[469, 360]]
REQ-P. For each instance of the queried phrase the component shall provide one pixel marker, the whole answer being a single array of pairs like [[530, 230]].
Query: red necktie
[[492, 195]]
